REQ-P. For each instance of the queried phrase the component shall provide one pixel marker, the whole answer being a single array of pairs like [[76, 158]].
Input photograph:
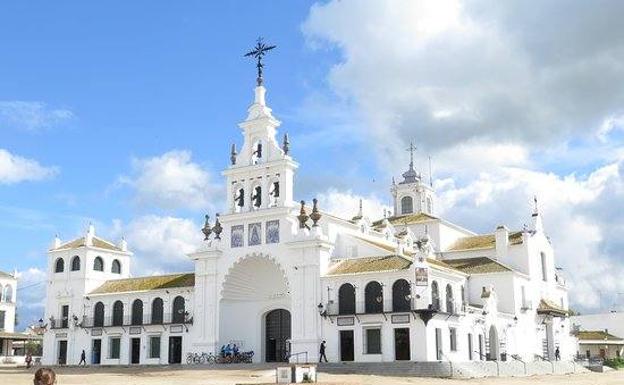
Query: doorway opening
[[135, 350], [96, 352], [402, 344], [346, 345], [175, 350], [277, 332]]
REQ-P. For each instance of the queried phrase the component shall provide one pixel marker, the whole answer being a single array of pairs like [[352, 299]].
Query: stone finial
[[303, 217], [217, 229], [233, 154], [123, 244], [286, 144], [316, 215], [90, 235], [56, 243], [207, 229]]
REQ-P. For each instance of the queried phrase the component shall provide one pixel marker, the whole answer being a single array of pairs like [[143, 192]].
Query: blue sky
[[98, 101]]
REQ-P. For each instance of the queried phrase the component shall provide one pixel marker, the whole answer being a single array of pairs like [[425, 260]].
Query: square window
[[237, 235], [272, 232], [154, 347], [373, 341], [114, 347], [255, 231]]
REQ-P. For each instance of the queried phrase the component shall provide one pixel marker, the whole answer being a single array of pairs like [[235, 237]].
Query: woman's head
[[44, 376]]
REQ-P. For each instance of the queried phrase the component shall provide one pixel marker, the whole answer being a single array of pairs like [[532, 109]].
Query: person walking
[[28, 360], [322, 352], [557, 354], [83, 358]]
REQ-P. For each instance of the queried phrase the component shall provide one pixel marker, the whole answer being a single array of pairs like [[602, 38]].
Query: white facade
[[8, 294], [278, 277]]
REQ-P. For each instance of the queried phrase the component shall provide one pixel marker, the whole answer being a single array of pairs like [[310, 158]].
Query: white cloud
[[160, 244], [15, 169], [172, 181], [345, 204], [32, 116], [444, 72]]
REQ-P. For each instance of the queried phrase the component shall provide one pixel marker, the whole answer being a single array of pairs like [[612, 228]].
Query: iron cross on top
[[258, 53]]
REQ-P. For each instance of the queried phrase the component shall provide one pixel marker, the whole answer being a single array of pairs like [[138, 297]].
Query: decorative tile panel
[[255, 231], [238, 233], [272, 231]]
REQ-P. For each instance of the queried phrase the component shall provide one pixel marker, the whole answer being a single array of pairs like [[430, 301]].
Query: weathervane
[[258, 53], [411, 149]]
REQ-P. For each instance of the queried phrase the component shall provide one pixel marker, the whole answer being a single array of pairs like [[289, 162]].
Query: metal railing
[[360, 307], [129, 320]]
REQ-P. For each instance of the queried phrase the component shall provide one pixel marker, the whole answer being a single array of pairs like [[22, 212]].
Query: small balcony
[[145, 320]]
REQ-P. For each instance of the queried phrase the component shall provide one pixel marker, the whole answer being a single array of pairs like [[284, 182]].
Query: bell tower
[[412, 195], [261, 175]]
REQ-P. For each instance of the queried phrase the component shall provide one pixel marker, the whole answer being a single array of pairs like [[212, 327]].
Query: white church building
[[278, 277]]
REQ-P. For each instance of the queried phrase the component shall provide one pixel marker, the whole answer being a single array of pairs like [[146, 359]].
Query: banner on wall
[[422, 276]]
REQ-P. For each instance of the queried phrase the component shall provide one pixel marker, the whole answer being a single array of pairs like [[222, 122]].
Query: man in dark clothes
[[83, 358], [322, 352]]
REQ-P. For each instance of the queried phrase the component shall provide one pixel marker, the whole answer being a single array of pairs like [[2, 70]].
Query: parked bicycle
[[196, 358]]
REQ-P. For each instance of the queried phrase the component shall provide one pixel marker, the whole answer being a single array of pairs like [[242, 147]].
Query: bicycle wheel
[[202, 359], [189, 359]]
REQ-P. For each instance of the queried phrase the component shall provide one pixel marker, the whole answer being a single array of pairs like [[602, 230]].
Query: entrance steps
[[469, 369]]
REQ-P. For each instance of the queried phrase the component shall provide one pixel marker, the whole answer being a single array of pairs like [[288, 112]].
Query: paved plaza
[[265, 375]]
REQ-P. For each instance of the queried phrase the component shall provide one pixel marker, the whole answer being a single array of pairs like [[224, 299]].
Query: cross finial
[[411, 149], [535, 203], [258, 53]]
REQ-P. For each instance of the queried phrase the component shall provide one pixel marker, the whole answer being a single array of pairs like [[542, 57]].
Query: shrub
[[615, 363]]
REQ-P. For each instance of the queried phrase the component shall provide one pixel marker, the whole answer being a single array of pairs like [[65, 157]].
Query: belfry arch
[[255, 305]]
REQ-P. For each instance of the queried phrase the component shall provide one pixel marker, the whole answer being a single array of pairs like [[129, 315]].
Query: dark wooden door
[[135, 353], [277, 332], [346, 345], [175, 350], [401, 344], [96, 352], [62, 352]]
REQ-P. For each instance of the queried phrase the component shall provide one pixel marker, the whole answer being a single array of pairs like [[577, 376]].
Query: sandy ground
[[231, 376]]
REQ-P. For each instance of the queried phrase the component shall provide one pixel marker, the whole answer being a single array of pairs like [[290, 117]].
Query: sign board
[[96, 332], [135, 330], [422, 276], [345, 321], [400, 318]]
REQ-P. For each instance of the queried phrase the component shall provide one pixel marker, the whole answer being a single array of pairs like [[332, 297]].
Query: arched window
[[373, 298], [137, 312], [118, 310], [1, 296], [435, 296], [346, 299], [401, 296], [239, 200], [463, 294], [157, 311], [429, 205], [7, 293], [59, 265], [98, 264], [116, 267], [407, 205], [98, 315], [178, 310], [75, 263], [450, 301]]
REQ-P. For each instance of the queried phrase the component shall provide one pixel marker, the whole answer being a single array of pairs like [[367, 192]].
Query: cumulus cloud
[[448, 71], [345, 204], [172, 181], [32, 116], [160, 243], [15, 169]]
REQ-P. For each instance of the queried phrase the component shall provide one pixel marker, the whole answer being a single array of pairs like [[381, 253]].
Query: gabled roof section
[[370, 265], [146, 283], [485, 241], [585, 335], [81, 242], [549, 307], [480, 265], [407, 219]]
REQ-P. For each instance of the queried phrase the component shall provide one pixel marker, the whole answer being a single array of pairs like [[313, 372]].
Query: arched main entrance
[[254, 309], [276, 333], [494, 344]]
